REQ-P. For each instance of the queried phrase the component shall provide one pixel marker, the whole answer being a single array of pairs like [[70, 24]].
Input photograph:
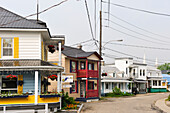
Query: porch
[[87, 73], [29, 86]]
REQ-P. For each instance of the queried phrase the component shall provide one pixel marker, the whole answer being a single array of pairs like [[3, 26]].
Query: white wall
[[29, 43]]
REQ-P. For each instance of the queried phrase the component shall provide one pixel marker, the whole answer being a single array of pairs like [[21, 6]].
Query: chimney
[[79, 46]]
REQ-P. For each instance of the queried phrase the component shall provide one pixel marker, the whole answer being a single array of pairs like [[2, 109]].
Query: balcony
[[92, 93], [90, 73]]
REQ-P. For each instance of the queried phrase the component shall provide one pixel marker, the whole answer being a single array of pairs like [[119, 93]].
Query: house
[[155, 80], [166, 82], [83, 67], [112, 77], [134, 71], [23, 62]]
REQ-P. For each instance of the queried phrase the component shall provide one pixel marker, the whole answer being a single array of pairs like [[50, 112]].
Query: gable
[[93, 57]]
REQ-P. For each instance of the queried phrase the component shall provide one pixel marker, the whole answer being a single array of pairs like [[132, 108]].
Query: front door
[[82, 89]]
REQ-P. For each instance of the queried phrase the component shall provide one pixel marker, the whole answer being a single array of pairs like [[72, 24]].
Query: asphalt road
[[138, 104]]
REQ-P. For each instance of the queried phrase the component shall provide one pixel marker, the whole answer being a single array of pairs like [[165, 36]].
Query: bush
[[169, 97], [66, 100], [117, 91]]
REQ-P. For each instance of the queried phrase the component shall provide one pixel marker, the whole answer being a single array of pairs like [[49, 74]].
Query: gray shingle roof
[[9, 19], [76, 53]]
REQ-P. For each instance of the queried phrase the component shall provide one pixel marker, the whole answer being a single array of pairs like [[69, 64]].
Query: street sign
[[67, 78]]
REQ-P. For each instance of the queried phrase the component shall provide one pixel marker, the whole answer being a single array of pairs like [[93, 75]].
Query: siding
[[29, 43], [29, 83]]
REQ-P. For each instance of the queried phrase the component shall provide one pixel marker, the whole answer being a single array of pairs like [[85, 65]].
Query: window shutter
[[0, 47], [70, 89], [16, 47], [77, 87], [20, 87], [77, 68], [92, 66], [70, 66], [42, 51]]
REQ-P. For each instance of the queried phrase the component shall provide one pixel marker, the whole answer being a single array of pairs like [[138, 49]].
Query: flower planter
[[49, 96], [19, 96]]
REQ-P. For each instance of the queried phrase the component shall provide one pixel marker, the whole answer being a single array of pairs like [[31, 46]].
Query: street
[[138, 104]]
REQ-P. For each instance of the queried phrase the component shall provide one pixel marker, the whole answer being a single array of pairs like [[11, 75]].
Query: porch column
[[131, 87], [58, 82], [98, 78], [60, 58], [86, 77], [36, 87], [0, 83], [104, 87]]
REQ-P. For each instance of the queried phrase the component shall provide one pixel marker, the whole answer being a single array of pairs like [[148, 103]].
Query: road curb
[[154, 107]]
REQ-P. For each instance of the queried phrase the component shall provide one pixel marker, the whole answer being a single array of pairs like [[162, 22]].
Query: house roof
[[9, 19], [78, 53]]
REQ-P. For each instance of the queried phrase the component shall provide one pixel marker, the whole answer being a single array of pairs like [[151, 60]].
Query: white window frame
[[7, 57]]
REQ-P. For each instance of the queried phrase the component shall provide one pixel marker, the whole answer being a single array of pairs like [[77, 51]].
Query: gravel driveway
[[138, 104]]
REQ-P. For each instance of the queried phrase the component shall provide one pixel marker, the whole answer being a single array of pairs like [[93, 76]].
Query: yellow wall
[[29, 100]]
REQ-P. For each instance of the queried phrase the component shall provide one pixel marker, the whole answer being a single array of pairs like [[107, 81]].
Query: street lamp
[[112, 41]]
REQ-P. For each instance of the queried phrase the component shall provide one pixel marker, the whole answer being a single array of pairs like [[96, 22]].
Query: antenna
[[37, 9]]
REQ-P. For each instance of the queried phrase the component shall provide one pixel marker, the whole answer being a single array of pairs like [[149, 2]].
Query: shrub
[[169, 97], [117, 91]]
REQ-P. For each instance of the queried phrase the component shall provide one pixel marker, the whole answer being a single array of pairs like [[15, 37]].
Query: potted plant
[[51, 48], [11, 77], [52, 77], [104, 74]]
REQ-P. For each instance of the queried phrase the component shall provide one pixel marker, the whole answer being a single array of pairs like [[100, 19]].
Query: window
[[126, 70], [7, 47], [114, 74], [133, 72], [107, 86], [126, 62], [154, 83], [8, 85], [91, 66], [143, 72], [159, 83], [140, 72], [82, 65], [123, 74], [90, 85], [74, 85], [73, 66]]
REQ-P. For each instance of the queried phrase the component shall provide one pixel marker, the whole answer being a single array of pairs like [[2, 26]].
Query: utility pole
[[37, 9], [100, 50]]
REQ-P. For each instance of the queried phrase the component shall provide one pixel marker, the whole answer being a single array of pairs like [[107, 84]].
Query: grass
[[118, 95]]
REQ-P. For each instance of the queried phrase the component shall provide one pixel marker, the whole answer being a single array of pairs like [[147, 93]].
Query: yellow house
[[23, 62]]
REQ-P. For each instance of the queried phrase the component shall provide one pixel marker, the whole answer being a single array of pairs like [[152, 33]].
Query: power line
[[133, 35], [90, 24], [137, 26], [35, 13], [141, 10], [82, 42], [136, 32], [140, 46], [129, 55]]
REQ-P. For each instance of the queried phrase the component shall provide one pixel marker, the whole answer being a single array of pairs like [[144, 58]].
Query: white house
[[155, 80], [114, 78], [137, 72]]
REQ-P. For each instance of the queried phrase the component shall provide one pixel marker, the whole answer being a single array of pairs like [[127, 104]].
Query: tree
[[165, 66]]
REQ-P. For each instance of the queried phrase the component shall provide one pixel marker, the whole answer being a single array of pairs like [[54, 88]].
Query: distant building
[[167, 81]]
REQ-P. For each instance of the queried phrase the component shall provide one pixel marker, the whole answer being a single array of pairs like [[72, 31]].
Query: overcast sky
[[71, 20]]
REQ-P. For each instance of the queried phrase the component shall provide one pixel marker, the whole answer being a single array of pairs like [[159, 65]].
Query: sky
[[71, 19]]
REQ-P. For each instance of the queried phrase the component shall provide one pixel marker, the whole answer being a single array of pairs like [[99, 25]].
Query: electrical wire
[[138, 27], [141, 10], [90, 24], [140, 46], [133, 35], [35, 13], [129, 55], [137, 32]]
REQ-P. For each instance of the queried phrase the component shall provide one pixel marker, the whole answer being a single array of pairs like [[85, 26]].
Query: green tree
[[165, 66]]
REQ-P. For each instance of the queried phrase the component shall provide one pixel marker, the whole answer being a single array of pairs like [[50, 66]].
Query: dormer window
[[7, 47]]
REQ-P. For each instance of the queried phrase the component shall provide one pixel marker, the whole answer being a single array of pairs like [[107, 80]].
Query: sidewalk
[[161, 105]]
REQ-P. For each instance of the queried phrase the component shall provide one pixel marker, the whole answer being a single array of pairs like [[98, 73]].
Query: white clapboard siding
[[29, 43]]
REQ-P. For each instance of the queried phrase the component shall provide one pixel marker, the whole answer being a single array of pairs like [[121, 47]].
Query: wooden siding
[[29, 43], [29, 83]]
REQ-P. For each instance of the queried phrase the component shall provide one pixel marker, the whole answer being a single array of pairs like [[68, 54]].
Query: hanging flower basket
[[104, 74], [51, 48], [11, 77], [52, 77]]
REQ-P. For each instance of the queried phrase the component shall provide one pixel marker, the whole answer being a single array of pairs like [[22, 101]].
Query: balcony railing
[[92, 93], [90, 73]]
